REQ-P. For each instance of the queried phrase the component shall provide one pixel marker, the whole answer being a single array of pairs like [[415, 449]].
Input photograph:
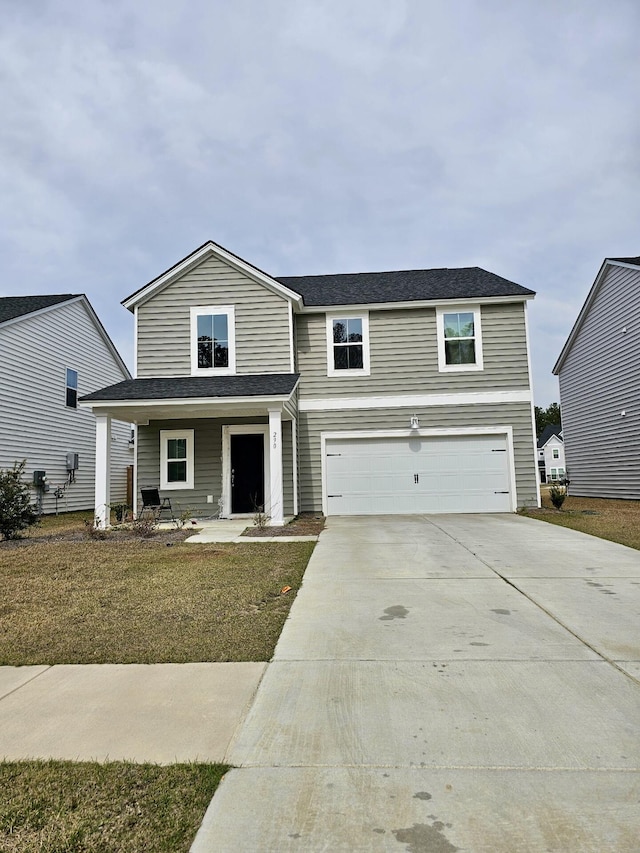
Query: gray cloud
[[320, 137]]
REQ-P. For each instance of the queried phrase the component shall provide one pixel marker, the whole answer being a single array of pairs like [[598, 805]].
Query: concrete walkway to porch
[[230, 530]]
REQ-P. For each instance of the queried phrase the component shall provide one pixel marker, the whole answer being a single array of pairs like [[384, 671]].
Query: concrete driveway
[[445, 683]]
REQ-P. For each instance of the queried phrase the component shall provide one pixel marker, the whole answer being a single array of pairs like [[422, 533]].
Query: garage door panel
[[417, 475]]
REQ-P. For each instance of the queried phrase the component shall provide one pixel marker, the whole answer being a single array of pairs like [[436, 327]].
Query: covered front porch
[[216, 447]]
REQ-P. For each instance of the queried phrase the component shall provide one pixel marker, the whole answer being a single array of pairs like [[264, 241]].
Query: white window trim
[[200, 310], [443, 367], [365, 370], [165, 435]]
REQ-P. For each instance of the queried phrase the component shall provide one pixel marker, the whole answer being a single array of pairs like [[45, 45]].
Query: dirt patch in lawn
[[615, 520]]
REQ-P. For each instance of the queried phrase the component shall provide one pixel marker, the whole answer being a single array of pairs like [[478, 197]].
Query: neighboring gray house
[[393, 392], [551, 463], [54, 349], [599, 388]]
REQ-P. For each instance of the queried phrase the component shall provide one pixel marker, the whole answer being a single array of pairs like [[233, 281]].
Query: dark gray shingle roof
[[635, 261], [189, 387], [17, 306], [402, 286], [547, 432]]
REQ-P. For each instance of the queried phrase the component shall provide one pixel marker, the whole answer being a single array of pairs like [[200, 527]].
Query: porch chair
[[152, 502]]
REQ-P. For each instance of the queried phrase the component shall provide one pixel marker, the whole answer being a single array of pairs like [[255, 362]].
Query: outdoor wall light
[[415, 423]]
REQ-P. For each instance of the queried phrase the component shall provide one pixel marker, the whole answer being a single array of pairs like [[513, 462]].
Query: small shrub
[[92, 530], [144, 526], [16, 510], [120, 511], [261, 519], [557, 494]]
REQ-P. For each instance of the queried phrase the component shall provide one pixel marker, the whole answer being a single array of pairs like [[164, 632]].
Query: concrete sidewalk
[[157, 713], [445, 683]]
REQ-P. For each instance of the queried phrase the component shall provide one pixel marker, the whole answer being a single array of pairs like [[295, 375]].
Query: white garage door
[[417, 475]]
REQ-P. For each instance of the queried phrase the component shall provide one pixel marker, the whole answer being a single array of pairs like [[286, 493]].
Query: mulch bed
[[306, 524]]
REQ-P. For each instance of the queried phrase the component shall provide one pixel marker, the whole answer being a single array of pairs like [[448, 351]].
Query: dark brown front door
[[247, 472]]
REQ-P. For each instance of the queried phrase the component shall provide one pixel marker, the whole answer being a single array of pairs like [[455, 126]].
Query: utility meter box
[[72, 462], [40, 479]]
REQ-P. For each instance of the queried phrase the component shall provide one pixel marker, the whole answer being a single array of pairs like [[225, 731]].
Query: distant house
[[598, 372], [54, 349], [352, 394], [551, 464]]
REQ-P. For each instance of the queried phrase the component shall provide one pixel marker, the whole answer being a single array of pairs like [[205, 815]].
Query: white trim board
[[411, 401], [461, 432]]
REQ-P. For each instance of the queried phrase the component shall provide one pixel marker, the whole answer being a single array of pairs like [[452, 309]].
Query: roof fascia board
[[39, 311], [181, 401], [595, 287], [416, 303], [196, 258]]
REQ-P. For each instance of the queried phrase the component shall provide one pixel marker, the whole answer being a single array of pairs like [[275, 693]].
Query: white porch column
[[275, 467], [103, 470]]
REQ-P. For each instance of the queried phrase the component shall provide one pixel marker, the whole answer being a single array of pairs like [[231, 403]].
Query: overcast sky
[[320, 136]]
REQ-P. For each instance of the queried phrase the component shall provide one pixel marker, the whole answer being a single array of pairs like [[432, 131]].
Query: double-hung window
[[459, 338], [71, 399], [555, 452], [213, 340], [348, 344], [176, 459]]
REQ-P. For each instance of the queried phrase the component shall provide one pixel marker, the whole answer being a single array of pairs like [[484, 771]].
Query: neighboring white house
[[54, 349], [551, 462]]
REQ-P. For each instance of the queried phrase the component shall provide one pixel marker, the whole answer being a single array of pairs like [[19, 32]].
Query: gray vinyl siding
[[517, 415], [261, 322], [207, 463], [598, 381], [35, 423], [404, 355]]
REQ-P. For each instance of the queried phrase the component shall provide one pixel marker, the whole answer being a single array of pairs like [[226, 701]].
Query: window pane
[[221, 355], [205, 353], [355, 357], [176, 472], [460, 352], [220, 332], [72, 378], [459, 325], [205, 327], [339, 331], [340, 358], [177, 448], [72, 398], [354, 329]]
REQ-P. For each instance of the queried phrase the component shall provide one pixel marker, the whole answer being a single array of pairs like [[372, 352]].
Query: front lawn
[[68, 598], [616, 520], [68, 807]]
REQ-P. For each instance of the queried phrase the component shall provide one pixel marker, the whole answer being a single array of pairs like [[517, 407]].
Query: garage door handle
[[498, 449], [416, 478], [334, 496], [501, 493]]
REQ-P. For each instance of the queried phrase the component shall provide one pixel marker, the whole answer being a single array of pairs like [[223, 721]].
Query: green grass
[[615, 520], [67, 807], [65, 598]]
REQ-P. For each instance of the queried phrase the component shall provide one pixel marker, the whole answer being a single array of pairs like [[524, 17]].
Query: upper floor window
[[72, 389], [459, 338], [555, 453], [213, 340], [348, 344]]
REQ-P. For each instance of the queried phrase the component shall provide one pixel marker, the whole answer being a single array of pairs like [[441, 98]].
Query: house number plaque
[[275, 440]]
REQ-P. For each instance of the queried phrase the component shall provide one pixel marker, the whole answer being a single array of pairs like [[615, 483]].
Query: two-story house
[[551, 462], [599, 389], [55, 349], [390, 392]]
